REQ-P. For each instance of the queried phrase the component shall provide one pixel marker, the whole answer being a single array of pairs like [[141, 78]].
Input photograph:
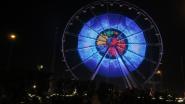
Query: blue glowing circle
[[124, 63]]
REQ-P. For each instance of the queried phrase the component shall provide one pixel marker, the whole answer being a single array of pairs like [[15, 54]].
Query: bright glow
[[161, 98], [169, 100], [12, 36], [109, 50], [74, 92], [180, 100], [85, 94], [54, 94], [153, 98], [40, 67], [31, 95], [34, 86], [158, 72]]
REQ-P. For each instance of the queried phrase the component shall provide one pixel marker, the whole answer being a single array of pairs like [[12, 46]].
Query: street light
[[158, 72], [34, 86], [40, 67], [12, 36]]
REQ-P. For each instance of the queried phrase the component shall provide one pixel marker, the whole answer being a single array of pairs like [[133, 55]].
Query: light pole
[[159, 74], [11, 38]]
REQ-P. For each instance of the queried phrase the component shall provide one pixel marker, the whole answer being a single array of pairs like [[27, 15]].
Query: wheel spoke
[[130, 22], [75, 49], [108, 21], [95, 15], [127, 76], [107, 7], [98, 66], [88, 26], [149, 60], [136, 33], [74, 35], [125, 79], [147, 44], [119, 22], [142, 76], [85, 60]]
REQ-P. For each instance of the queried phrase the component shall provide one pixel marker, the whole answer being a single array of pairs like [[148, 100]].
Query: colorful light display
[[112, 41], [113, 49]]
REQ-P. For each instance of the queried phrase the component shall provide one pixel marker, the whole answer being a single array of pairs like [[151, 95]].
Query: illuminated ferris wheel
[[113, 41]]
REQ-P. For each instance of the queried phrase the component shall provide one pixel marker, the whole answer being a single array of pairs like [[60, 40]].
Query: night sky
[[35, 24]]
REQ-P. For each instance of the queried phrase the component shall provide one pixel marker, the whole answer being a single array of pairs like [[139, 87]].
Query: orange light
[[12, 36]]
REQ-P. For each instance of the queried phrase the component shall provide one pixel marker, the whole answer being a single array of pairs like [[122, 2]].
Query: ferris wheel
[[113, 41]]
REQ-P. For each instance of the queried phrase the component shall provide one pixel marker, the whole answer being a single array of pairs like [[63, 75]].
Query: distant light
[[34, 86], [179, 100], [169, 100], [153, 98], [29, 95], [12, 37], [75, 91], [161, 98], [85, 94], [158, 72], [170, 95], [40, 67]]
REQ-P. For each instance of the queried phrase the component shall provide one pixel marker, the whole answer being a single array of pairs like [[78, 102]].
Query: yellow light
[[158, 72], [12, 36]]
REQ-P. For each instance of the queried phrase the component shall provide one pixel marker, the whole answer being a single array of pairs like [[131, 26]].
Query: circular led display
[[112, 41], [109, 47]]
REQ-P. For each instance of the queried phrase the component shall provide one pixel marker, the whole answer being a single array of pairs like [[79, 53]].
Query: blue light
[[125, 63]]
